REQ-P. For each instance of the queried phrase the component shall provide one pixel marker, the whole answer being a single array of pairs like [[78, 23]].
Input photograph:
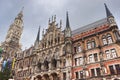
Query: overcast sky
[[37, 12]]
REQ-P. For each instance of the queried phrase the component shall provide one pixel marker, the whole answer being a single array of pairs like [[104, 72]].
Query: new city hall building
[[90, 52]]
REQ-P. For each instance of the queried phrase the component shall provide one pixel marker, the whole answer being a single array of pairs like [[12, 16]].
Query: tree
[[6, 73]]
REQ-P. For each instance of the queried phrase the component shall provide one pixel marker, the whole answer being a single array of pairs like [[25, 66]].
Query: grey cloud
[[37, 12]]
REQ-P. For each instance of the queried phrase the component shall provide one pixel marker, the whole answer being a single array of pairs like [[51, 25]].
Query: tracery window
[[54, 63], [46, 64]]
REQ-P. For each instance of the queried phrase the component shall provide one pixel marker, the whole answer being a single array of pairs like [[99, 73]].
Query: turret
[[68, 35], [110, 17]]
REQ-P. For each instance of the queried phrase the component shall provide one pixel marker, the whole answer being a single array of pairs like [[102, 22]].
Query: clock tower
[[11, 45], [68, 35]]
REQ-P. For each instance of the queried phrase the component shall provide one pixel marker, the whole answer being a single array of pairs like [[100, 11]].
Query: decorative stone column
[[50, 66], [58, 63]]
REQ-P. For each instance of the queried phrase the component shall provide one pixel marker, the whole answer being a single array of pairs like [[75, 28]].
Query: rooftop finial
[[60, 23], [54, 17], [49, 21], [43, 32]]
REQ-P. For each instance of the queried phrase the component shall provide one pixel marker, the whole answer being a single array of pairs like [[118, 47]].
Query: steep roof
[[90, 26]]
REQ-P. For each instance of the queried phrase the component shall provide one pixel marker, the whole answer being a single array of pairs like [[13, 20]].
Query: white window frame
[[113, 53], [104, 41], [81, 60], [109, 38], [108, 54]]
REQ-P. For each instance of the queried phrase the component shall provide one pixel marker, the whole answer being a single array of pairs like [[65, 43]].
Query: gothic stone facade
[[91, 52]]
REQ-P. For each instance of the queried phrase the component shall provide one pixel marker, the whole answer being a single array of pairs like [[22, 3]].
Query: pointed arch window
[[104, 40], [109, 38], [46, 64], [58, 37], [54, 63]]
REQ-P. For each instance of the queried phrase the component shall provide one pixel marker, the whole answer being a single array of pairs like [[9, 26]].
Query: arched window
[[91, 58], [39, 65], [108, 56], [104, 40], [54, 63], [113, 53], [109, 38], [81, 60], [88, 44], [93, 44], [46, 64], [79, 48]]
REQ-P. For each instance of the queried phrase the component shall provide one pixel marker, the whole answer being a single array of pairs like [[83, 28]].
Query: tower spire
[[67, 20], [36, 44], [38, 35], [67, 29], [20, 14], [108, 13]]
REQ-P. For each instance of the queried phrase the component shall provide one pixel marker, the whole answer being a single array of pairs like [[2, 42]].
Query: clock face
[[67, 34]]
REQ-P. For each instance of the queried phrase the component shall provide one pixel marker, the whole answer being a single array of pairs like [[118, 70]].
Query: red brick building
[[97, 50]]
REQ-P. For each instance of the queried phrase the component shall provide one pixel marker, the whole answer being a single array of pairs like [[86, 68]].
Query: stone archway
[[46, 77], [55, 76], [38, 77]]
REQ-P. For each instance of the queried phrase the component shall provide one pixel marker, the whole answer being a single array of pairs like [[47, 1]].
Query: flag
[[13, 63]]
